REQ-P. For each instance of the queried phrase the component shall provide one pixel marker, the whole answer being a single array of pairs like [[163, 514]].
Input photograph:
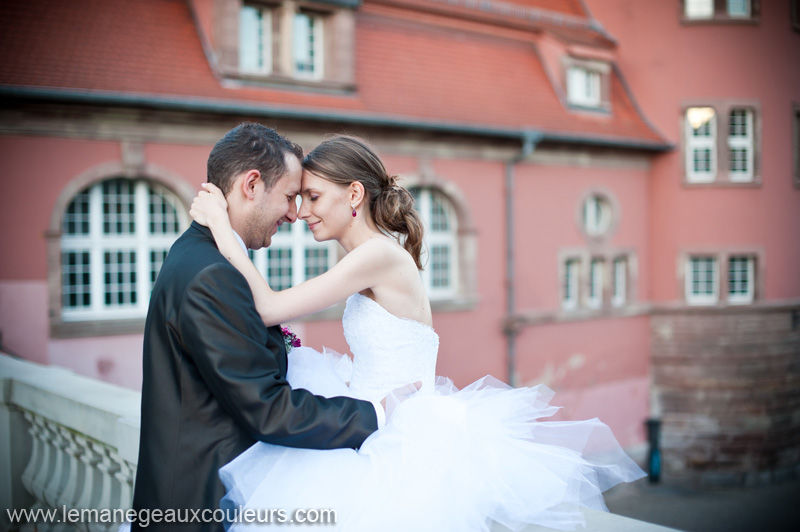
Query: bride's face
[[325, 208]]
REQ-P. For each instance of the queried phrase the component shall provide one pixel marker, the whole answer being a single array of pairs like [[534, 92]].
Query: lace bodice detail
[[388, 352]]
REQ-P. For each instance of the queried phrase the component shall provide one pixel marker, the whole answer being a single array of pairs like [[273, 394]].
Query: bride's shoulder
[[384, 249]]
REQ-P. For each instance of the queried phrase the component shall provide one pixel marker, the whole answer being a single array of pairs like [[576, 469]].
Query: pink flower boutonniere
[[289, 338]]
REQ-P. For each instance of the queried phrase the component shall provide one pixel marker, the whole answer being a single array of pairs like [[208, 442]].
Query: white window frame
[[312, 45], [746, 298], [620, 284], [699, 9], [260, 51], [584, 86], [570, 284], [702, 299], [597, 214], [745, 142], [594, 298], [97, 244], [693, 143], [297, 238], [434, 238]]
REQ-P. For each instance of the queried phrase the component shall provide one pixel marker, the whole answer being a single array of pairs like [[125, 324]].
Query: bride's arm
[[357, 271]]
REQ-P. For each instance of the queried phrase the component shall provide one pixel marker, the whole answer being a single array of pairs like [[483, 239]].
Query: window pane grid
[[279, 268], [740, 279], [255, 40], [700, 144], [440, 266], [76, 279], [440, 250], [117, 234], [306, 45], [316, 262], [76, 219], [740, 144], [439, 218], [157, 257], [119, 207], [119, 278], [163, 214]]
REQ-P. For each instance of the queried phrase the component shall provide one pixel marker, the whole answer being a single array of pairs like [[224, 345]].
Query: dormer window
[[307, 46], [255, 39], [287, 43], [730, 10], [583, 87], [587, 83]]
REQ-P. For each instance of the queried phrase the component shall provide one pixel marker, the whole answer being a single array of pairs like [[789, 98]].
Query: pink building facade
[[543, 141]]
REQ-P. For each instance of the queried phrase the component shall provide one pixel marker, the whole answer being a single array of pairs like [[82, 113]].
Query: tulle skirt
[[449, 459]]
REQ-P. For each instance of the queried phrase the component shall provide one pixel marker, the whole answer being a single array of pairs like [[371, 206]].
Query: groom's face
[[276, 206]]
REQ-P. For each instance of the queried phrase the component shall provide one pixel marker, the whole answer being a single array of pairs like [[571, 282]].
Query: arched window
[[440, 252], [114, 237], [294, 256]]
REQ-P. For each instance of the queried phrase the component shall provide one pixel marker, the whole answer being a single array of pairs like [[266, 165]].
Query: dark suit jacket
[[214, 383]]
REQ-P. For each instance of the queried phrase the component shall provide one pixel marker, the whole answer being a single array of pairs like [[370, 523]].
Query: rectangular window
[[307, 46], [699, 9], [619, 293], [702, 281], [595, 299], [738, 8], [255, 40], [741, 274], [569, 298], [583, 87], [740, 145], [701, 156]]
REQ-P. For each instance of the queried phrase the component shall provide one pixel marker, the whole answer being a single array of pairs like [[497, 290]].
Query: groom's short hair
[[250, 146]]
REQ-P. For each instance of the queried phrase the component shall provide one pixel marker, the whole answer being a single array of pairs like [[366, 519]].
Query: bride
[[447, 459]]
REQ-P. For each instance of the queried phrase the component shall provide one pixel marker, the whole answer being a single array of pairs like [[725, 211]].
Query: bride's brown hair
[[345, 159]]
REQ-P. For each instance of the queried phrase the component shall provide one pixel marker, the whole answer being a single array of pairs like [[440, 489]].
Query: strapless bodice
[[388, 351]]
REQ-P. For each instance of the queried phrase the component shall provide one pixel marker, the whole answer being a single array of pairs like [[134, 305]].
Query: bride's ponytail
[[393, 211], [346, 159]]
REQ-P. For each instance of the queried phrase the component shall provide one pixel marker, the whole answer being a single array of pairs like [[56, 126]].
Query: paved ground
[[774, 508]]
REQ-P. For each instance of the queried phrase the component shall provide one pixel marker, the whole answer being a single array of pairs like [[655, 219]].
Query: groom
[[214, 377]]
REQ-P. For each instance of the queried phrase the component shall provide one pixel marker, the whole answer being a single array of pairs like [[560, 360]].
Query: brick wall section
[[726, 385]]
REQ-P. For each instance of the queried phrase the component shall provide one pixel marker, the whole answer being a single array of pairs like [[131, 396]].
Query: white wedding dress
[[447, 460]]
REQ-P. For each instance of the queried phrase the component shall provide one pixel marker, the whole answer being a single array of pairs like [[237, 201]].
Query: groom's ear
[[249, 183]]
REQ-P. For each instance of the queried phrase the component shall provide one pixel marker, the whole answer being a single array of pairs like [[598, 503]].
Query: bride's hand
[[209, 207]]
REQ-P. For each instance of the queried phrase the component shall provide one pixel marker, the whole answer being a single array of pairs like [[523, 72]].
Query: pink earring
[[354, 210]]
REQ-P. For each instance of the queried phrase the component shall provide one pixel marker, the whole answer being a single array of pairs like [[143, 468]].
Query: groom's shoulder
[[191, 253]]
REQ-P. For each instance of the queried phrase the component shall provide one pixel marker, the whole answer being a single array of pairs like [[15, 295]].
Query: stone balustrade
[[67, 443], [70, 444]]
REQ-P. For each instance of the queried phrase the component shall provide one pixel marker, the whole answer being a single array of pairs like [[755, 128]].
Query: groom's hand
[[397, 396]]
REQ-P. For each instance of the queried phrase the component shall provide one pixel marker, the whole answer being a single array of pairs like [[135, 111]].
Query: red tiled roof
[[405, 69]]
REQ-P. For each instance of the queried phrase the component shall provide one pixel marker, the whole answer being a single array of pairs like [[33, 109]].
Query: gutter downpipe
[[529, 141]]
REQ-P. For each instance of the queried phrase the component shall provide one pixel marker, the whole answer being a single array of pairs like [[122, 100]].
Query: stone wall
[[726, 386]]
